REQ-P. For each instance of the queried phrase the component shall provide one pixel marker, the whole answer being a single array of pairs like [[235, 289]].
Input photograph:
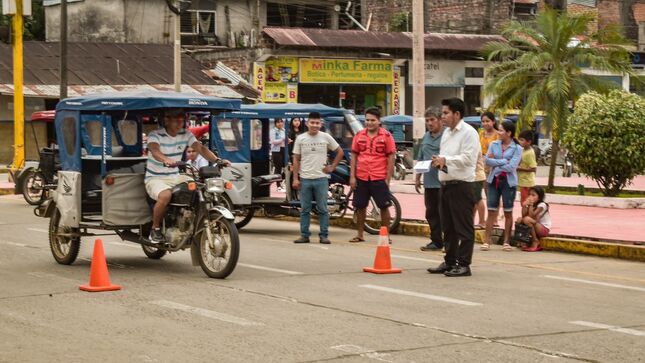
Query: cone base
[[382, 271], [99, 288]]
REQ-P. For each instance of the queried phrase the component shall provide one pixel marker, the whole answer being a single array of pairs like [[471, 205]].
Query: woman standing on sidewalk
[[503, 157]]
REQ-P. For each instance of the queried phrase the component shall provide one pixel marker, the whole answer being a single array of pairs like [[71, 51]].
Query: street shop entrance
[[356, 97]]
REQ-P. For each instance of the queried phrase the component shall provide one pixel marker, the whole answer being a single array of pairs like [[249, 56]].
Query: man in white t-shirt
[[310, 175], [165, 148]]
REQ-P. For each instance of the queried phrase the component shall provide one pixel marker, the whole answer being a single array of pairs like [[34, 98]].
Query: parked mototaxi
[[242, 137], [101, 181]]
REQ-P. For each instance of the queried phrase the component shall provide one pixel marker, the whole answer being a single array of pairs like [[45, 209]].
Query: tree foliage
[[34, 25], [401, 22], [540, 67], [606, 136]]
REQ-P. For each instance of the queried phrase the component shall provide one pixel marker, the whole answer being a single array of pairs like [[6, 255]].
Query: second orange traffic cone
[[383, 261], [99, 276]]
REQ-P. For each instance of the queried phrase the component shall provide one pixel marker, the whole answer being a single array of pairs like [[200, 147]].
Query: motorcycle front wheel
[[399, 172], [63, 246], [373, 216], [219, 247]]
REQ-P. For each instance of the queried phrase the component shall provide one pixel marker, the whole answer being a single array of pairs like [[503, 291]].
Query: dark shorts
[[478, 186], [376, 189]]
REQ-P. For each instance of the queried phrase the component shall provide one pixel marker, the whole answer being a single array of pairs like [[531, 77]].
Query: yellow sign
[[275, 92], [363, 71], [281, 69], [258, 76]]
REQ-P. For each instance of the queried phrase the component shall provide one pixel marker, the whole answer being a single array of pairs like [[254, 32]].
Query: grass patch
[[589, 193]]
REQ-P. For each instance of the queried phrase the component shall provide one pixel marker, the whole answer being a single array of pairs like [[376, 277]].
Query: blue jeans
[[501, 189], [314, 189]]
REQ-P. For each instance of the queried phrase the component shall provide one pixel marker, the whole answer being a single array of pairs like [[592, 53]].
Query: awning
[[52, 91]]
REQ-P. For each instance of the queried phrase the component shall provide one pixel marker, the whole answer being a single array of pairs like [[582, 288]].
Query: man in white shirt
[[460, 149], [310, 175]]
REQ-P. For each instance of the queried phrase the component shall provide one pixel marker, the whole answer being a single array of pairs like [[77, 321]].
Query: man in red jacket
[[373, 152]]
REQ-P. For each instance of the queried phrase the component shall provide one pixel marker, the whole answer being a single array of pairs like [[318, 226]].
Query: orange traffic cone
[[382, 261], [99, 276]]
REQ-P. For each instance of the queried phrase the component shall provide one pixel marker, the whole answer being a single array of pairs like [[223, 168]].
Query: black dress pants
[[432, 199], [277, 157], [457, 202]]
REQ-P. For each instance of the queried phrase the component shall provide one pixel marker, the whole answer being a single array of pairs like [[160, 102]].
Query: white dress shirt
[[460, 146]]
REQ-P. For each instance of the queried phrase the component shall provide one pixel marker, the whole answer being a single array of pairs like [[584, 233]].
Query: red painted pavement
[[579, 221]]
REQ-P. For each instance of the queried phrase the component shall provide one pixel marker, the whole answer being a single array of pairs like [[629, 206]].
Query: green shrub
[[606, 136]]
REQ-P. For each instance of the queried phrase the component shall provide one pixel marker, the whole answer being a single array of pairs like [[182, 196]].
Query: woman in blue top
[[503, 157]]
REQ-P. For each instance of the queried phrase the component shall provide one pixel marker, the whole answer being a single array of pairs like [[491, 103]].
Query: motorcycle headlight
[[215, 185]]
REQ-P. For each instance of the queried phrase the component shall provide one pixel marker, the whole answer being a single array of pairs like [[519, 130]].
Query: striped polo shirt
[[172, 147]]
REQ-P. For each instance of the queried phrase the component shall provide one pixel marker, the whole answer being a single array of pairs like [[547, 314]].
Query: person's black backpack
[[522, 233]]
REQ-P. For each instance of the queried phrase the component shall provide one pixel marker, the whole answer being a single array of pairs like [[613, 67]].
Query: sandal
[[485, 247], [532, 249], [507, 247], [357, 239]]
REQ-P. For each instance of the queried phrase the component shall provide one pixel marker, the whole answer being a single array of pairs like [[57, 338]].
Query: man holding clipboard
[[430, 145], [457, 160]]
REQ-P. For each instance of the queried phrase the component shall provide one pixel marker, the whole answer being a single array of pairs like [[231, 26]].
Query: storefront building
[[354, 84]]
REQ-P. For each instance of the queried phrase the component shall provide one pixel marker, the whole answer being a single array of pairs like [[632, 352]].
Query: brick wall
[[581, 9], [608, 12], [467, 16], [383, 11]]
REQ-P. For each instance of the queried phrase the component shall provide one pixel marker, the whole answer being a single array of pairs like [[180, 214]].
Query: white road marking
[[609, 327], [206, 313], [38, 230], [50, 276], [13, 244], [16, 244], [416, 259], [319, 246], [421, 295], [590, 282], [272, 240], [288, 272], [365, 352]]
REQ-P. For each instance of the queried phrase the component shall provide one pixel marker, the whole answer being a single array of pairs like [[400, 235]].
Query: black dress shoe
[[431, 247], [458, 271], [440, 269]]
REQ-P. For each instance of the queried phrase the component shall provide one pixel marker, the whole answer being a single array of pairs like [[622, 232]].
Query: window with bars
[[197, 22]]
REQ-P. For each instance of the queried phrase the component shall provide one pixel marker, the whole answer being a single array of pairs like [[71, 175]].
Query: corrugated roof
[[102, 64], [52, 91], [328, 38]]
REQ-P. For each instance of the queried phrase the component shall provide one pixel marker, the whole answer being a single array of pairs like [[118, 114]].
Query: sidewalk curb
[[555, 243]]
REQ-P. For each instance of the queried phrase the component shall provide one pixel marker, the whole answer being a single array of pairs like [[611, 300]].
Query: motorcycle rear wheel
[[242, 215], [33, 188], [218, 255]]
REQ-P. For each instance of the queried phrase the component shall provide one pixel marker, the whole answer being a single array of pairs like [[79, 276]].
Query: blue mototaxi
[[101, 184], [242, 137]]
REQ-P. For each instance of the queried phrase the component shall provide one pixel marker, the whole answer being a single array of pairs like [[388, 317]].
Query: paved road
[[311, 303]]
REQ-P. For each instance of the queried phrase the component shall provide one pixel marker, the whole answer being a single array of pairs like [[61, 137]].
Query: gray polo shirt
[[430, 145]]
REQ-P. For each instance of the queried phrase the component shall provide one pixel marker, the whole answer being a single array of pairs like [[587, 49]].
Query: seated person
[[194, 159], [165, 148], [535, 214]]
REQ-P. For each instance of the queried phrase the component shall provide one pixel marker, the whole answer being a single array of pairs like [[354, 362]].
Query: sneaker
[[325, 240], [431, 247], [156, 236], [302, 239], [281, 189]]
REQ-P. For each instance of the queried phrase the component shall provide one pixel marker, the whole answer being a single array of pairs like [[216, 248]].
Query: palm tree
[[540, 67]]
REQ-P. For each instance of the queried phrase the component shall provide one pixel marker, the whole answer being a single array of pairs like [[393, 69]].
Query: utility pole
[[18, 96], [63, 49], [418, 72], [177, 53]]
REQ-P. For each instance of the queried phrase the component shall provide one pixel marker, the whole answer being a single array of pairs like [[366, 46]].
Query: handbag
[[522, 233]]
